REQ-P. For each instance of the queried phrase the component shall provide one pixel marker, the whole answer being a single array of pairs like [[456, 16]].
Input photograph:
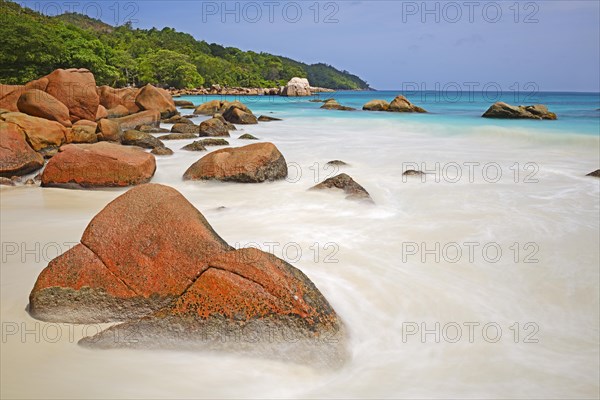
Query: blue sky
[[548, 45]]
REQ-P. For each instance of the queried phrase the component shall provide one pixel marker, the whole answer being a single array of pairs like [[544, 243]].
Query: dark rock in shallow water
[[213, 127], [265, 118], [412, 172], [247, 136], [376, 105], [178, 136], [401, 104], [162, 151], [185, 128], [353, 190], [238, 116], [151, 129], [502, 110], [334, 105], [195, 146], [596, 173], [336, 162], [214, 142], [141, 139], [177, 119]]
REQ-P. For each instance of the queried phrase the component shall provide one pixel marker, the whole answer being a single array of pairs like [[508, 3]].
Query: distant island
[[35, 45]]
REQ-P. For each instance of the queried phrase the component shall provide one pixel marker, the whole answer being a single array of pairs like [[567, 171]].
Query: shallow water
[[375, 264]]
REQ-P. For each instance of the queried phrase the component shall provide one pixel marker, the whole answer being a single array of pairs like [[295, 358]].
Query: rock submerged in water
[[214, 142], [399, 104], [503, 110], [213, 127], [334, 105], [338, 163], [140, 139], [178, 136], [102, 164], [151, 259], [353, 190], [266, 118], [185, 128], [194, 146], [248, 164], [247, 136], [596, 173]]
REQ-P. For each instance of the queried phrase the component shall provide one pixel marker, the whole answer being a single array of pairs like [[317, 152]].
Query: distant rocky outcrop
[[399, 104], [334, 105], [503, 110], [248, 164], [296, 87]]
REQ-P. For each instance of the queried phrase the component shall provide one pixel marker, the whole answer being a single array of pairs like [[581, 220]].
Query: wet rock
[[412, 172], [100, 164], [195, 146], [185, 128], [376, 105], [180, 103], [214, 142], [249, 164], [336, 162], [265, 118], [140, 139], [162, 151], [401, 104], [247, 136], [177, 119], [353, 190], [6, 181], [237, 116], [213, 127], [596, 173], [506, 111], [178, 136], [334, 105]]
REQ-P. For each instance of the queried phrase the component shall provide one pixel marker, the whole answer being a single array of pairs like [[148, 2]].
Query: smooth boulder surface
[[151, 98], [236, 115], [16, 156], [41, 134], [140, 253], [112, 98], [506, 111], [109, 130], [76, 89], [249, 164], [150, 117], [353, 190], [208, 108], [401, 104], [10, 94], [376, 105], [40, 104], [100, 164], [117, 112], [213, 127], [182, 103]]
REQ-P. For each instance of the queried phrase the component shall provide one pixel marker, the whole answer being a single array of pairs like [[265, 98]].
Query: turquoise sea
[[578, 113]]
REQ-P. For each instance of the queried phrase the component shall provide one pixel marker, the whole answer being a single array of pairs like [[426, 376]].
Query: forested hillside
[[33, 45]]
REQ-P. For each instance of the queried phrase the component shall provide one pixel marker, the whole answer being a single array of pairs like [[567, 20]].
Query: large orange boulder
[[41, 134], [9, 94], [401, 104], [236, 115], [36, 103], [244, 301], [253, 163], [75, 88], [109, 130], [151, 98], [151, 258], [100, 164], [16, 156], [142, 251], [150, 118]]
